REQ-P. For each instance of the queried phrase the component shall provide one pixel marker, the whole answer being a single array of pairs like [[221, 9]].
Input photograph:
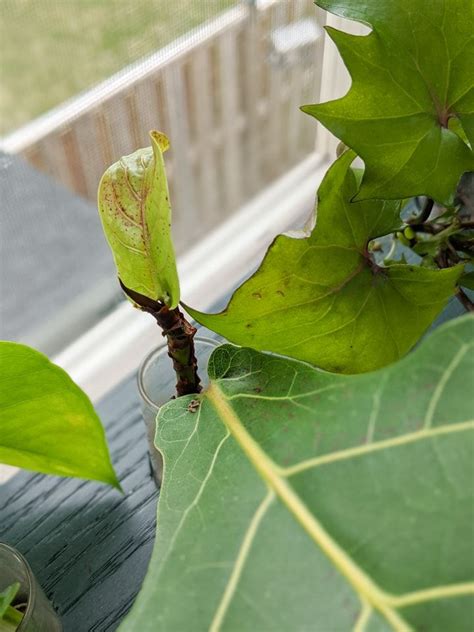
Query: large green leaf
[[323, 299], [412, 82], [296, 499], [136, 216], [47, 424]]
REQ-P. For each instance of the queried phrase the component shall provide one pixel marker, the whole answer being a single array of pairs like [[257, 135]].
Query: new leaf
[[324, 300], [295, 499], [136, 216], [47, 424], [412, 87]]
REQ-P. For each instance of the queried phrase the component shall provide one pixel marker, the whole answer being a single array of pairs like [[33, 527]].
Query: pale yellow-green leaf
[[135, 211]]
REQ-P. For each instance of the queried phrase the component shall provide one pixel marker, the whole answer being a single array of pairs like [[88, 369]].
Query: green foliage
[[7, 596], [324, 300], [10, 618], [412, 99], [296, 499], [136, 216], [47, 423]]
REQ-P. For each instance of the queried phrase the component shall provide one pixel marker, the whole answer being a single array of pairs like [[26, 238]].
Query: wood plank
[[70, 143], [296, 84], [34, 156], [310, 129], [90, 153], [121, 133], [55, 161], [276, 144], [229, 81], [103, 136], [264, 104], [183, 189], [203, 107], [134, 124], [250, 73], [146, 99]]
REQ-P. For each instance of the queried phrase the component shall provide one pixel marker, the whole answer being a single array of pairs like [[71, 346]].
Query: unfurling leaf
[[412, 88], [47, 423], [296, 499], [324, 300], [136, 216]]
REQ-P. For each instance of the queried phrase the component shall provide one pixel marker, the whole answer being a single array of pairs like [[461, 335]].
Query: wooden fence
[[227, 96]]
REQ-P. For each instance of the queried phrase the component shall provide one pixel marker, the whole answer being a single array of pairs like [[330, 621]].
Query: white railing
[[226, 93]]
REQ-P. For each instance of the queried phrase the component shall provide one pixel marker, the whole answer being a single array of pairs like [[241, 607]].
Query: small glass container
[[156, 385], [38, 613]]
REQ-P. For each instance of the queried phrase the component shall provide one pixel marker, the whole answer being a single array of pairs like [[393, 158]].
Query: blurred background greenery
[[50, 50]]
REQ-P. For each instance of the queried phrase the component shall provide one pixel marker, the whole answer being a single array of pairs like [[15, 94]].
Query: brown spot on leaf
[[193, 405]]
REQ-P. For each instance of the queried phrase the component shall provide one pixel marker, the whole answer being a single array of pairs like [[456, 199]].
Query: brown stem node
[[180, 338]]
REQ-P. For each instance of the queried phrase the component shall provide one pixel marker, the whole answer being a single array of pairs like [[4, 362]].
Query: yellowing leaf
[[324, 300], [410, 76], [136, 216]]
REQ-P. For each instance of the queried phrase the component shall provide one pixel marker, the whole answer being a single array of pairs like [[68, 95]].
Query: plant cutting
[[136, 215], [23, 605], [10, 615], [322, 479], [135, 211]]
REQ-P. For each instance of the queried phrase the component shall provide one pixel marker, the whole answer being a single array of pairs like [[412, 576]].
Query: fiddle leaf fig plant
[[48, 423], [135, 211], [325, 300], [409, 112], [136, 215], [296, 499]]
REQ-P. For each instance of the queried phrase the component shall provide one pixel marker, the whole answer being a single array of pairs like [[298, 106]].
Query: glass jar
[[156, 385], [38, 613]]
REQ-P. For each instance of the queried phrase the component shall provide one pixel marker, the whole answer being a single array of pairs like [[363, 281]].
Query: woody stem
[[179, 335]]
